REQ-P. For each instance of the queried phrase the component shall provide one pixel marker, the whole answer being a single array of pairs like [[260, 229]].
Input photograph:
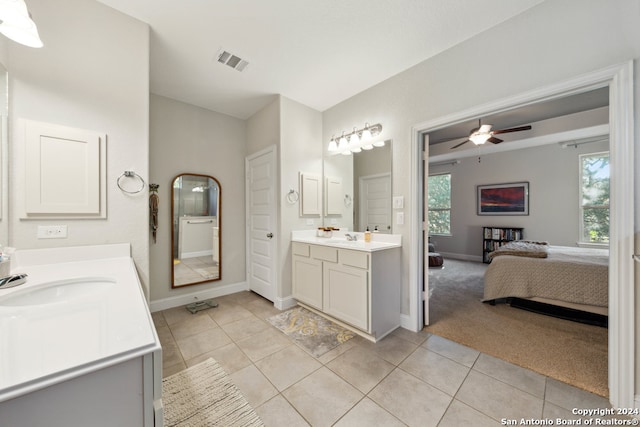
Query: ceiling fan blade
[[463, 142], [495, 140], [518, 129]]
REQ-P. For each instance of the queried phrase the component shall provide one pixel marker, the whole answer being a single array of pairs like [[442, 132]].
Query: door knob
[[270, 235]]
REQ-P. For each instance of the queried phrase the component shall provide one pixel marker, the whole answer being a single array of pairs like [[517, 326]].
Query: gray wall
[[69, 84], [553, 176], [189, 139], [551, 42]]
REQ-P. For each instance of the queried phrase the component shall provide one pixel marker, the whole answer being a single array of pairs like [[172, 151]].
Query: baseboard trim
[[285, 303], [166, 303], [406, 323], [461, 257]]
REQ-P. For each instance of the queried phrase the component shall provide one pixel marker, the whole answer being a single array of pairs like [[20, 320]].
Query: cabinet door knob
[[270, 235]]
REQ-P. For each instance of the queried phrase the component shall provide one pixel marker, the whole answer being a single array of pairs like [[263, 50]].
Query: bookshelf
[[494, 237]]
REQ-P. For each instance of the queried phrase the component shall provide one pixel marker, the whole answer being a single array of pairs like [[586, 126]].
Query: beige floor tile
[[203, 342], [254, 386], [497, 399], [361, 367], [439, 371], [322, 397], [414, 337], [447, 348], [263, 344], [244, 297], [158, 319], [335, 352], [460, 414], [191, 326], [277, 412], [178, 314], [413, 401], [230, 357], [171, 354], [167, 371], [244, 328], [391, 348], [164, 334], [366, 414], [287, 366], [262, 308], [227, 312], [569, 397], [524, 379]]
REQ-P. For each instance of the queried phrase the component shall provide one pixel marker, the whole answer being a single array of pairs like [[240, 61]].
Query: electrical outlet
[[52, 232]]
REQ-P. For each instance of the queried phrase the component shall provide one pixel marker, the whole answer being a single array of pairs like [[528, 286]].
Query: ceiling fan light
[[479, 138]]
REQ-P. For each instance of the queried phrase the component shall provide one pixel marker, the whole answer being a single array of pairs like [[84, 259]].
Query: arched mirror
[[195, 240]]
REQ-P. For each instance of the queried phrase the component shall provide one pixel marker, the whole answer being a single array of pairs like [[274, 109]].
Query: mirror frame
[[173, 242]]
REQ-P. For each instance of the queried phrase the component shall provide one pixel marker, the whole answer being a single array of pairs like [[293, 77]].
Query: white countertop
[[65, 337], [338, 239]]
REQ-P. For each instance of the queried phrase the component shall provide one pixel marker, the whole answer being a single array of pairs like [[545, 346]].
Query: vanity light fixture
[[17, 25], [357, 140]]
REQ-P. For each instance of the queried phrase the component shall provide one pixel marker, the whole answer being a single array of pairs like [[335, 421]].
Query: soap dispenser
[[367, 235]]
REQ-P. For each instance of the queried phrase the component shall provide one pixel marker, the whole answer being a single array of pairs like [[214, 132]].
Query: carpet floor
[[571, 352]]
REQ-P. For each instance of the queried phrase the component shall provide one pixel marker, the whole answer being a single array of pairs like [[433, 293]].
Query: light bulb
[[343, 144], [366, 133], [378, 143], [333, 145]]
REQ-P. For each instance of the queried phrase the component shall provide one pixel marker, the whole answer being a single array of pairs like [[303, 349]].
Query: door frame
[[619, 79], [272, 151]]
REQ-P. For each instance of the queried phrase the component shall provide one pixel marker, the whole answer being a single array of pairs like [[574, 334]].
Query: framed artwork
[[503, 199]]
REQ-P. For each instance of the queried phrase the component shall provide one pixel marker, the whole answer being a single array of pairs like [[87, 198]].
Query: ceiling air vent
[[232, 60]]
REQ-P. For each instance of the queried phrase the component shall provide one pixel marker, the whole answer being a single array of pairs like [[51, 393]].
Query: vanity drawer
[[325, 253], [301, 249], [354, 258]]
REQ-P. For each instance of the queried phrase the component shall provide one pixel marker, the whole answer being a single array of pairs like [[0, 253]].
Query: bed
[[569, 277]]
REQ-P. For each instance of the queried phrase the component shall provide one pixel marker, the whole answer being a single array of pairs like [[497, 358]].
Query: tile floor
[[408, 378]]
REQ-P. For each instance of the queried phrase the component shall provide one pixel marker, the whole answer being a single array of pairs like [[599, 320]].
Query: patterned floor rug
[[203, 395], [311, 331]]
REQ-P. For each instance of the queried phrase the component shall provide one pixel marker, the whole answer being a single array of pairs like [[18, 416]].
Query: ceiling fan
[[483, 133]]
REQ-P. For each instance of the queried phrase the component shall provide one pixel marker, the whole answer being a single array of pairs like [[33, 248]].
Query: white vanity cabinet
[[360, 288]]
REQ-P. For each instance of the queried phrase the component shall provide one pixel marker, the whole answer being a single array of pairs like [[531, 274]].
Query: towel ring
[[131, 174], [292, 196]]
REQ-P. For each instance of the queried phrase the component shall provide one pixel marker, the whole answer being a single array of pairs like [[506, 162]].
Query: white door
[[260, 169], [425, 228], [375, 203]]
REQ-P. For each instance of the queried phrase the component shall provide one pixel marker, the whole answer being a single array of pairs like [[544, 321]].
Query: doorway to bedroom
[[621, 272]]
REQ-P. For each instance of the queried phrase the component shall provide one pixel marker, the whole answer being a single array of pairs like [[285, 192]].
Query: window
[[594, 198], [439, 198]]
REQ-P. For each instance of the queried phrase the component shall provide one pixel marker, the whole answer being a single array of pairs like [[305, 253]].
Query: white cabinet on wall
[[359, 288], [65, 171]]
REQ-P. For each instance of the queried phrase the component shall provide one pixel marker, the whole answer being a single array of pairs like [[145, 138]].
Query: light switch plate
[[398, 202], [52, 232], [400, 218]]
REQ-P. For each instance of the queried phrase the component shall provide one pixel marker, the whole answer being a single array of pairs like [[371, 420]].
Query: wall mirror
[[4, 149], [358, 191], [195, 239]]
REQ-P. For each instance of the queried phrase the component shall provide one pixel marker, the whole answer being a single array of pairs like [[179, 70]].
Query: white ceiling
[[316, 52]]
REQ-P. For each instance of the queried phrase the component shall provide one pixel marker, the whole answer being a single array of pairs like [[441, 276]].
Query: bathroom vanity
[[78, 345], [355, 283]]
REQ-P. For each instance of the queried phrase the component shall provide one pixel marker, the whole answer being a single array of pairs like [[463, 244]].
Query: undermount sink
[[345, 242], [58, 291]]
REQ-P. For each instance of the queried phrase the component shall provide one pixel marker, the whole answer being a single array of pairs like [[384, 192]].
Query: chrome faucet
[[351, 237], [12, 280]]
